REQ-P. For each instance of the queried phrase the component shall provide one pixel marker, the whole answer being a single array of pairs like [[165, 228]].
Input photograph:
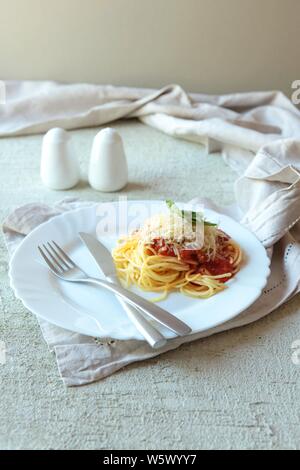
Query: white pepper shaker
[[108, 165], [59, 164]]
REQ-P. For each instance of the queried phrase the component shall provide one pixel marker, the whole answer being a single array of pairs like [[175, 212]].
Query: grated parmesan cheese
[[170, 227]]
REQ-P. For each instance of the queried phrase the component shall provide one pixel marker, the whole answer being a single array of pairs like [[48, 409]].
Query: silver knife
[[105, 261]]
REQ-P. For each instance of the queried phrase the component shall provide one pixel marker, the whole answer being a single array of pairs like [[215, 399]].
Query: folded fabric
[[259, 135], [246, 120]]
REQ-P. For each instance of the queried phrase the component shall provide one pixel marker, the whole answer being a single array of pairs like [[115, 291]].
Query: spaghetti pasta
[[161, 265]]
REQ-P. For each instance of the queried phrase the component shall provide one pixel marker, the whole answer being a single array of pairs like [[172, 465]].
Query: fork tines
[[56, 258]]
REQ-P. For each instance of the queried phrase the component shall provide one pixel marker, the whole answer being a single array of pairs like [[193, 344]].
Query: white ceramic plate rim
[[40, 303]]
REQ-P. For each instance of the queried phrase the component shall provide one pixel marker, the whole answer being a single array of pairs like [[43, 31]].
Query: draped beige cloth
[[259, 136]]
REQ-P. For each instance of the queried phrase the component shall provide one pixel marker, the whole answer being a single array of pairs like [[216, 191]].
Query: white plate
[[75, 307]]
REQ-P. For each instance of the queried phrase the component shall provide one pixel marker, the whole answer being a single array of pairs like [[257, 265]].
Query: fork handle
[[154, 311]]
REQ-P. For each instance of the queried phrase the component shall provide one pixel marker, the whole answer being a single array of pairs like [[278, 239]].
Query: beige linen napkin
[[257, 133], [245, 120]]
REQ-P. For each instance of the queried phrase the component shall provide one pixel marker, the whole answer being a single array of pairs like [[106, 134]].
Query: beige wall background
[[210, 46]]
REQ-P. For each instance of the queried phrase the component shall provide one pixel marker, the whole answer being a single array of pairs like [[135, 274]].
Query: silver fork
[[64, 267]]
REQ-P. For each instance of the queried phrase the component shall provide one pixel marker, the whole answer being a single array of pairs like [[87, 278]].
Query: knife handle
[[151, 334]]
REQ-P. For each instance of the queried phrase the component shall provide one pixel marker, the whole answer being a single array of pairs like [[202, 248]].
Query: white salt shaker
[[59, 164], [108, 165]]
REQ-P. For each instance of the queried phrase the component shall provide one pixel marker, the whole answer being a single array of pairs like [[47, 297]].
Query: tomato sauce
[[162, 248], [196, 258]]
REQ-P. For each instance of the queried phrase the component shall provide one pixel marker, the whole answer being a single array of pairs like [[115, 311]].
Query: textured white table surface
[[238, 389]]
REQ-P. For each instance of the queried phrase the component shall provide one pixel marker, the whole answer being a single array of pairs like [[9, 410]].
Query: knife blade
[[101, 254], [105, 262]]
